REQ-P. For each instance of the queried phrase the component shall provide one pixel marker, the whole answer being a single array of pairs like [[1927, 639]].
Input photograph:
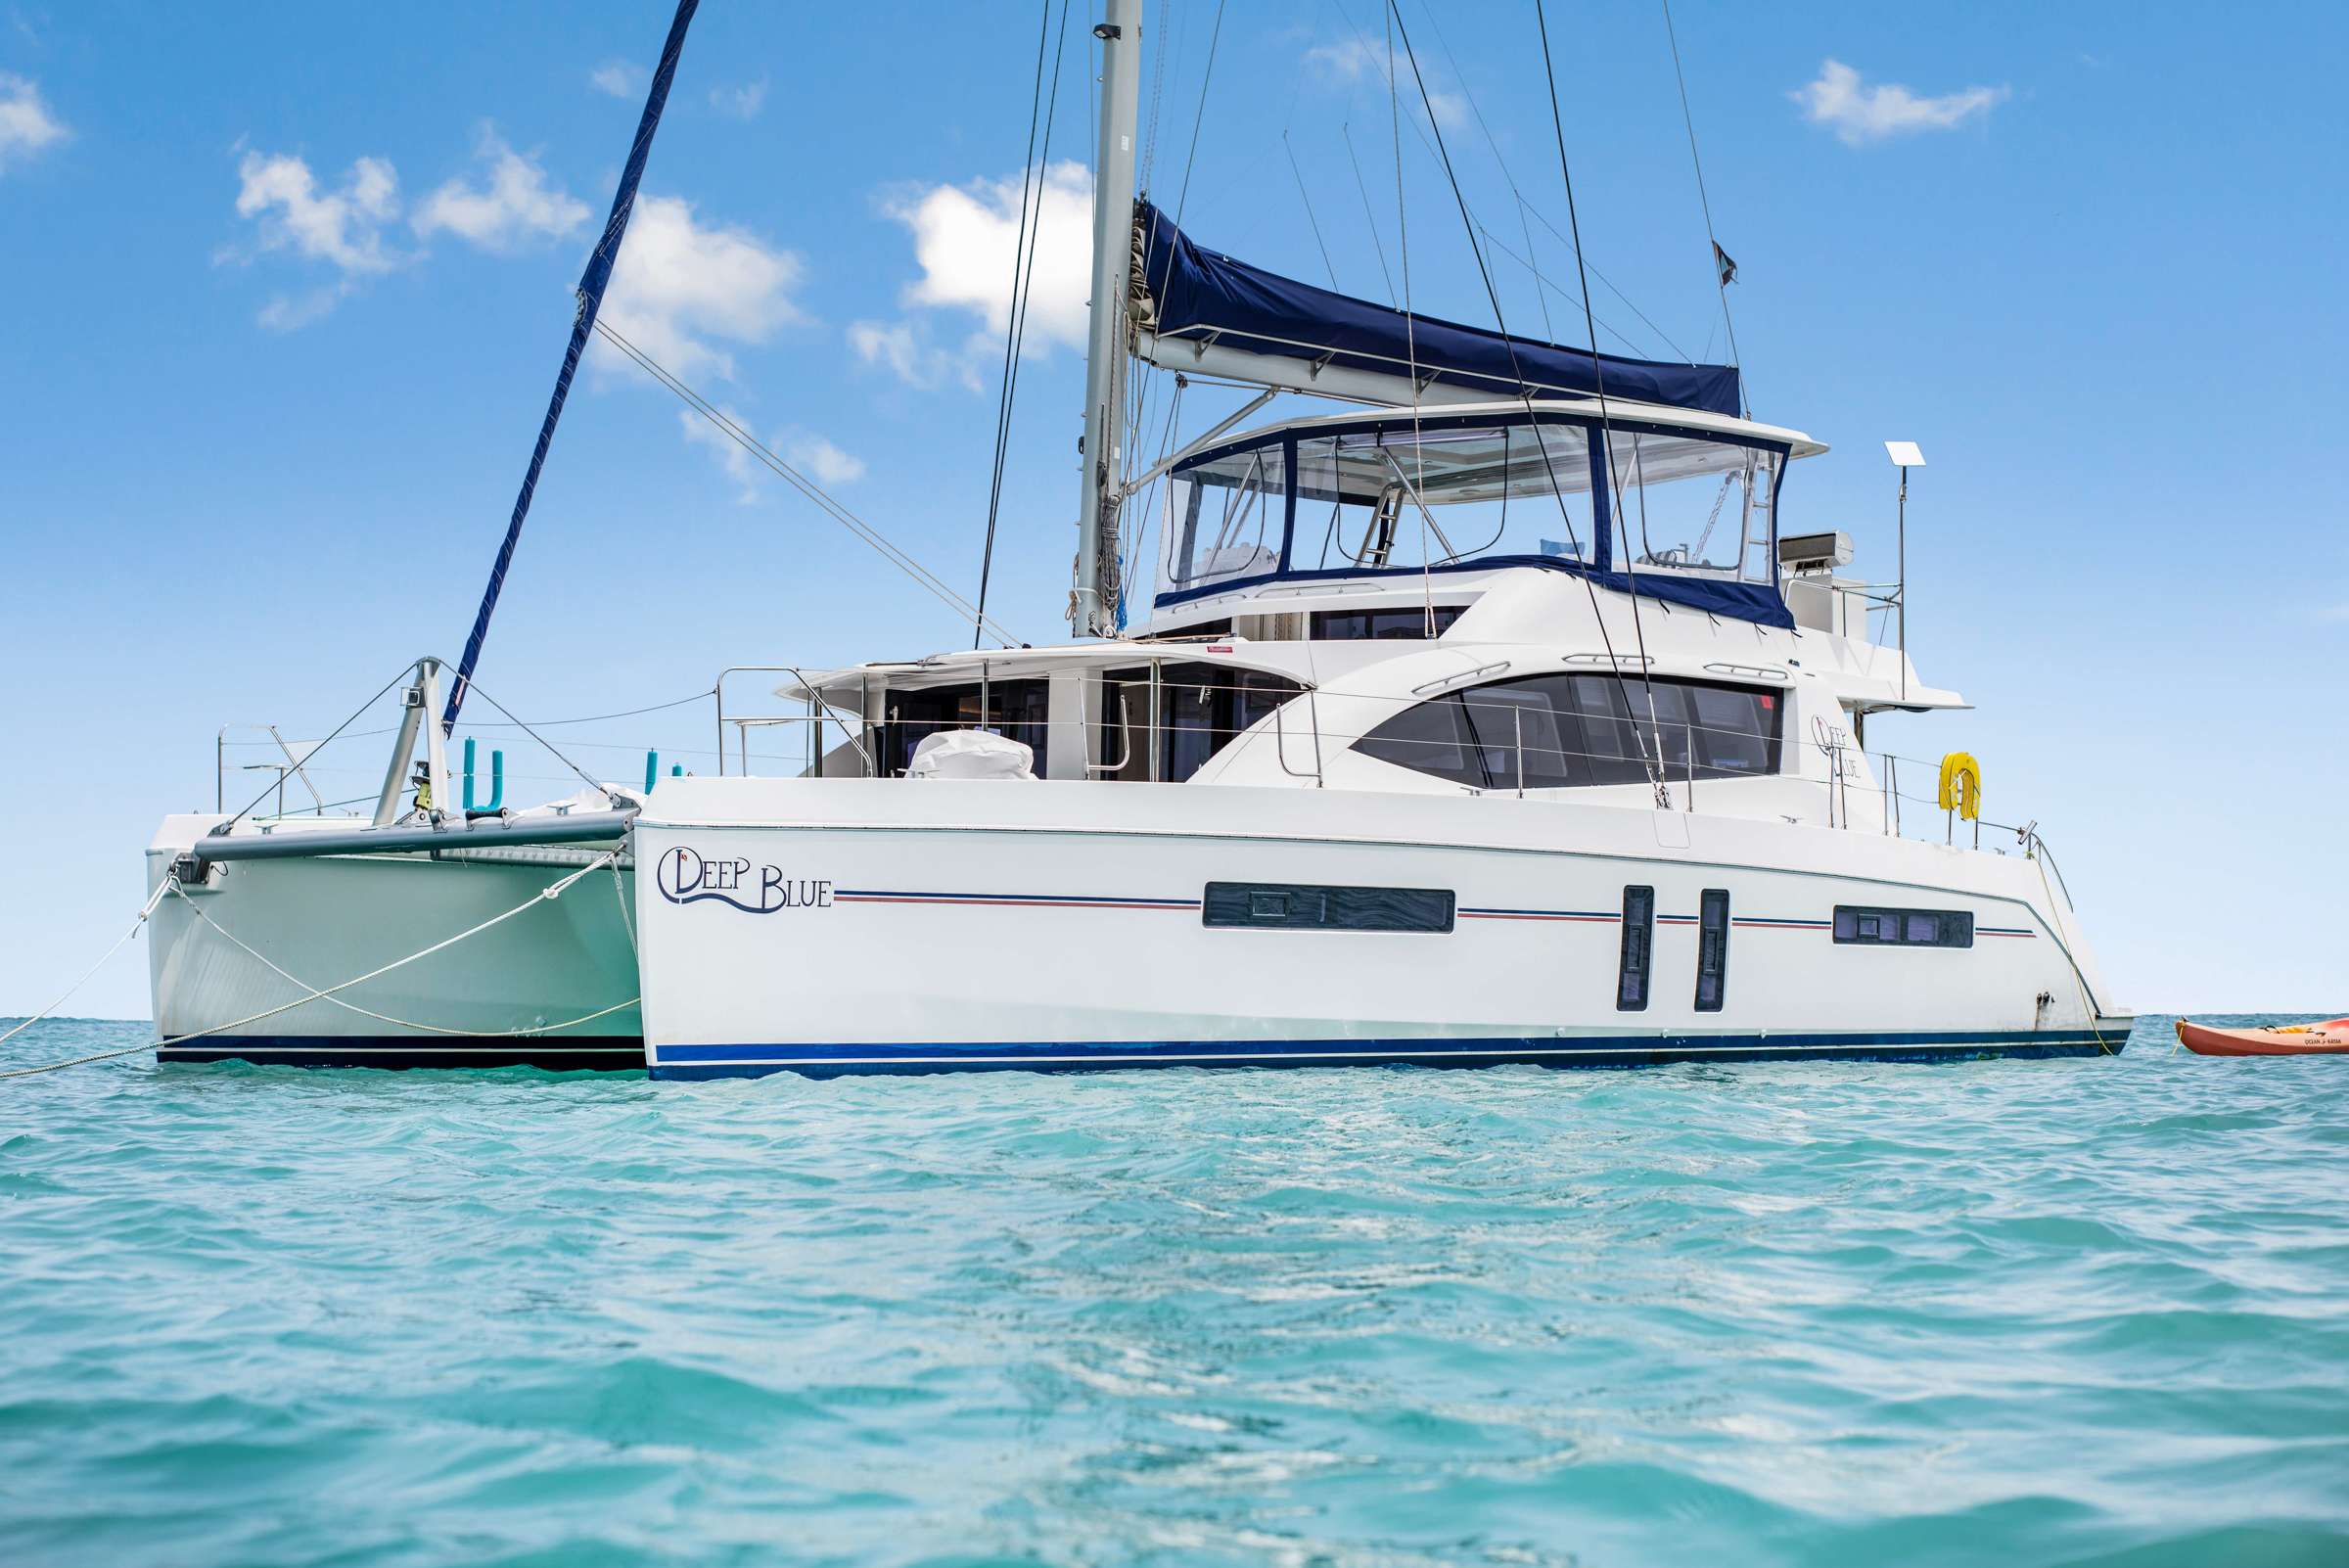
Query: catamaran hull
[[851, 927], [485, 1001]]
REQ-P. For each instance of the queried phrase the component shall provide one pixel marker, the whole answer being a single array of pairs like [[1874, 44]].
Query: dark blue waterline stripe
[[1515, 1046], [556, 1053], [826, 1061]]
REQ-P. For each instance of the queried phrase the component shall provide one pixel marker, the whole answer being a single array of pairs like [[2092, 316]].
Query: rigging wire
[[1720, 284], [1564, 293], [1142, 391], [1307, 198], [1557, 121], [1654, 763], [1345, 130], [1199, 116], [963, 609], [1015, 326], [1402, 246], [1422, 130]]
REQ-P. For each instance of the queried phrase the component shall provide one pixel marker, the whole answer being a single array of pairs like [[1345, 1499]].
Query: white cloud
[[680, 288], [1859, 114], [26, 123], [802, 448], [740, 102], [290, 312], [1354, 59], [617, 78], [743, 468], [513, 206], [818, 457], [906, 350], [964, 239], [342, 226]]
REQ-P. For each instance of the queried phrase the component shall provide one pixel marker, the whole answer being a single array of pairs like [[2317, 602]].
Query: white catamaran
[[1493, 720]]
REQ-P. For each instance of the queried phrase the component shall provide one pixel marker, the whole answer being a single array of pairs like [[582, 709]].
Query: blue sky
[[288, 285]]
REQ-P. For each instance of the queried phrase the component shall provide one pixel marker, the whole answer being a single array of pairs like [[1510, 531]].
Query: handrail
[[815, 696]]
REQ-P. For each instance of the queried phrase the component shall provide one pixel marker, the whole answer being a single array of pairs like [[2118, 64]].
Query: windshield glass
[[1396, 495], [1397, 498]]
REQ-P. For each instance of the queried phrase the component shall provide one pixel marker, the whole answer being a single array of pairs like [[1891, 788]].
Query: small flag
[[1722, 264]]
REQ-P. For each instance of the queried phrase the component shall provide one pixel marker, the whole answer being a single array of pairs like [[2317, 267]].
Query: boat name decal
[[688, 877]]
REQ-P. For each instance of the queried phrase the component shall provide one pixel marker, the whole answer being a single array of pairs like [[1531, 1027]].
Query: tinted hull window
[[1903, 928], [1311, 907], [1713, 950], [1639, 945]]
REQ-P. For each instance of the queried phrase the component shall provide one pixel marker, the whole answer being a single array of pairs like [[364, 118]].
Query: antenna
[[1905, 456]]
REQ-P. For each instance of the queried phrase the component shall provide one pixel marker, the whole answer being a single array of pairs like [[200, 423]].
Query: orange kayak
[[2328, 1038]]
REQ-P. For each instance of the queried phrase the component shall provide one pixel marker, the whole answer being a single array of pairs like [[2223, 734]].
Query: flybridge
[[1198, 309]]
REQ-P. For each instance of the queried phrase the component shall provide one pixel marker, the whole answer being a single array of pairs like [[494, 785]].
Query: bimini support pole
[[1092, 607]]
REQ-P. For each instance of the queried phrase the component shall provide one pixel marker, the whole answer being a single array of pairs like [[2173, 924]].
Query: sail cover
[[1187, 294]]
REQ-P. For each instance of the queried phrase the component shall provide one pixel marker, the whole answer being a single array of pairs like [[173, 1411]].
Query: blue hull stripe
[[1619, 1050]]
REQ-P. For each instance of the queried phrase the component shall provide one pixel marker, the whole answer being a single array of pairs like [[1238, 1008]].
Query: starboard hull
[[230, 963]]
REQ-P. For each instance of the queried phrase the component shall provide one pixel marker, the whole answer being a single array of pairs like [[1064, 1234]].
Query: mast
[[1093, 606]]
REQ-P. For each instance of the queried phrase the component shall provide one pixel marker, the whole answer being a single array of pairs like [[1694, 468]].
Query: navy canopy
[[1202, 296]]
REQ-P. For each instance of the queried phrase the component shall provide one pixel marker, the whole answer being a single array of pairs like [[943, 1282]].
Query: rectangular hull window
[[1903, 928], [1713, 950], [1639, 943], [1304, 906]]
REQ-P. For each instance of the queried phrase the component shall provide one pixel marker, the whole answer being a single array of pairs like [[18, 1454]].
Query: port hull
[[840, 927]]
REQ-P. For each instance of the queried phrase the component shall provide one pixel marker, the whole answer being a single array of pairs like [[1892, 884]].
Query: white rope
[[2088, 1002], [153, 899], [549, 893], [619, 891]]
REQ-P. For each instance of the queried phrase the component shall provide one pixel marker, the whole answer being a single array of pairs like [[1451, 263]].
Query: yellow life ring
[[1961, 785]]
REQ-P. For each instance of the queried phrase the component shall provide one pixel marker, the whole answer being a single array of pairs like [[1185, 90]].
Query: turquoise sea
[[2067, 1312]]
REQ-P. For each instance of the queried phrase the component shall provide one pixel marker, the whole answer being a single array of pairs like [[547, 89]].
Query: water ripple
[[2033, 1312]]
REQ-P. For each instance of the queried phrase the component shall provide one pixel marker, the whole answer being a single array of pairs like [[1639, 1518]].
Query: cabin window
[[1307, 906], [1016, 709], [1428, 738], [1712, 950], [1638, 946], [1562, 731], [1201, 708], [1380, 625], [1903, 928]]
